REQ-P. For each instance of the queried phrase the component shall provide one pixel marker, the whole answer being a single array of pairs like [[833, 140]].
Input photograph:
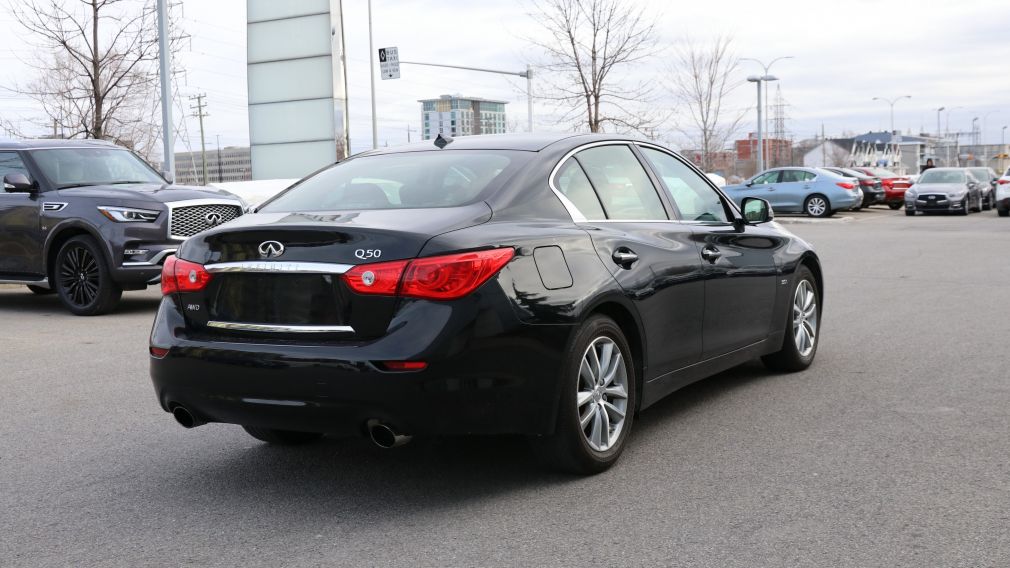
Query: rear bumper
[[892, 195], [487, 373]]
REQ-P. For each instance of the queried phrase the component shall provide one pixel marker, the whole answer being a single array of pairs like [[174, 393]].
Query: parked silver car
[[950, 190]]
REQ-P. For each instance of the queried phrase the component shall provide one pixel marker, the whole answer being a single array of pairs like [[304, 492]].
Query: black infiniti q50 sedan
[[551, 286]]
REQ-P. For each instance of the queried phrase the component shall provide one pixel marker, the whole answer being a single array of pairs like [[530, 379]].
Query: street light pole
[[760, 140], [938, 133], [165, 72], [371, 73], [894, 143], [767, 69]]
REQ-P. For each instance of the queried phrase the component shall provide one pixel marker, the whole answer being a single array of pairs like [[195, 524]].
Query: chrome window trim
[[266, 266], [172, 205], [275, 328], [154, 261]]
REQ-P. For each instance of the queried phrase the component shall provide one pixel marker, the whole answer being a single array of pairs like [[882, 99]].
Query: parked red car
[[894, 185]]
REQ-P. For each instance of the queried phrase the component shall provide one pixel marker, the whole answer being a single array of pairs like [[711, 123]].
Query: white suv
[[1003, 195]]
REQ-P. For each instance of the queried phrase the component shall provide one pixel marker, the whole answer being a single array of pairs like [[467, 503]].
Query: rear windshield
[[881, 172], [441, 178], [942, 176]]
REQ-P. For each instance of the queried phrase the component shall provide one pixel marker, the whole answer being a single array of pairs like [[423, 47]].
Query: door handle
[[711, 254], [624, 257], [771, 189]]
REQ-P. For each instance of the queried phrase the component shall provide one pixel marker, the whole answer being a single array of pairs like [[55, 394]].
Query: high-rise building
[[461, 116]]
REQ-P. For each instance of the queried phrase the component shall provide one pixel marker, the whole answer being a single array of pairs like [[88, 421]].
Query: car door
[[652, 257], [793, 188], [741, 275], [762, 186], [20, 233]]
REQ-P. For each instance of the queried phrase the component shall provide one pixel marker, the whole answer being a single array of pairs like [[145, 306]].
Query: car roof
[[11, 144], [520, 142]]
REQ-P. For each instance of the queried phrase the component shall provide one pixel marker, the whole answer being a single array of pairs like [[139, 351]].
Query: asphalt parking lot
[[892, 450]]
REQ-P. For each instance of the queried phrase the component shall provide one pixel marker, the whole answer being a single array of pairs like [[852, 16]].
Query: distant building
[[777, 151], [722, 162], [461, 116], [235, 165]]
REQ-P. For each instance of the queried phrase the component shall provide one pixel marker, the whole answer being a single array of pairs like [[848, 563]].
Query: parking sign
[[389, 62]]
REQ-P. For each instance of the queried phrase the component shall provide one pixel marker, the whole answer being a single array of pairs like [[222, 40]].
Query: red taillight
[[845, 185], [452, 276], [179, 275], [380, 278], [403, 365], [1003, 181], [445, 277]]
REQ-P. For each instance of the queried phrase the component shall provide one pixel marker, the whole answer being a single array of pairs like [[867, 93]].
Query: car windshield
[[942, 176], [881, 172], [409, 180], [981, 174], [75, 167]]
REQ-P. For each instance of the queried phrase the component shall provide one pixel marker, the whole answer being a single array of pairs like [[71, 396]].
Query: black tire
[[82, 279], [988, 204], [282, 437], [909, 213], [813, 199], [40, 291], [965, 206], [789, 358], [568, 449], [895, 205], [1003, 212]]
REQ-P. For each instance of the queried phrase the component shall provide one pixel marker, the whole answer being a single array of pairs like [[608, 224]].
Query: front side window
[[623, 186], [10, 163], [765, 178], [76, 167], [442, 178], [694, 198]]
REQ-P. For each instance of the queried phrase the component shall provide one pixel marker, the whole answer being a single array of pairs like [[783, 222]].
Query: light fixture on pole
[[974, 131], [938, 133], [767, 69], [760, 141], [895, 139], [1002, 137]]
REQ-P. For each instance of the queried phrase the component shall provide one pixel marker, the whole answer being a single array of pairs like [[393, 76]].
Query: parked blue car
[[816, 192]]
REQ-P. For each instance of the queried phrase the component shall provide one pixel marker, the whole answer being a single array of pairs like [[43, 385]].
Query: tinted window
[[622, 184], [573, 183], [66, 167], [10, 163], [694, 198], [767, 177], [796, 176], [399, 181]]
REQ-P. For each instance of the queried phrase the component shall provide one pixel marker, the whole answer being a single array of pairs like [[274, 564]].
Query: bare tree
[[588, 43], [701, 81], [96, 67]]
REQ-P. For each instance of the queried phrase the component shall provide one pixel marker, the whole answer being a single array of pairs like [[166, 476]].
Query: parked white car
[[1003, 195], [255, 192]]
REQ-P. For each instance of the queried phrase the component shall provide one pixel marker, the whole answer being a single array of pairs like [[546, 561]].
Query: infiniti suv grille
[[190, 220]]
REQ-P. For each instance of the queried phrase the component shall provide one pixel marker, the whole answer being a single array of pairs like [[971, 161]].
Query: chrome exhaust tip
[[384, 436], [185, 418]]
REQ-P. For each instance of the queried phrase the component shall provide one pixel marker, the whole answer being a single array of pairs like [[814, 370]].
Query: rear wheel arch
[[633, 333]]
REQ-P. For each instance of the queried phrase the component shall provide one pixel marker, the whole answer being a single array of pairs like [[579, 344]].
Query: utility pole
[[200, 114], [371, 72], [165, 71], [220, 176], [409, 130]]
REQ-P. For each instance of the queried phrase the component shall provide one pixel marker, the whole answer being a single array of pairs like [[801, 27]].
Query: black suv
[[87, 219]]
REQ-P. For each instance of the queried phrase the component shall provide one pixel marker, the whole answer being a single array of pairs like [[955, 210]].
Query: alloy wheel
[[816, 206], [805, 318], [79, 276], [602, 397]]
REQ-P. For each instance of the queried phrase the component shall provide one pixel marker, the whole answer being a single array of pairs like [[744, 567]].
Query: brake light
[[1003, 181], [381, 278], [445, 277], [179, 275], [452, 276], [845, 185], [404, 365]]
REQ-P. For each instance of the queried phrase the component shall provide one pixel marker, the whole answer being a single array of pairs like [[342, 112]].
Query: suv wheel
[[83, 280], [597, 404]]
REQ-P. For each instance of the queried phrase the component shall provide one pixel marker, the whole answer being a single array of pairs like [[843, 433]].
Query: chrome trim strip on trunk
[[274, 328], [282, 267]]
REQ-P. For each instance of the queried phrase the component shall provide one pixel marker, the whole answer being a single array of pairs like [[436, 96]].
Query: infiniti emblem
[[271, 249], [212, 219]]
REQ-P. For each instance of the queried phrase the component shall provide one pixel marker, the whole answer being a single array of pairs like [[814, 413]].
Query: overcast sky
[[951, 54]]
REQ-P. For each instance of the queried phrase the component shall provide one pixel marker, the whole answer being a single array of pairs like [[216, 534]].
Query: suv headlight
[[128, 215]]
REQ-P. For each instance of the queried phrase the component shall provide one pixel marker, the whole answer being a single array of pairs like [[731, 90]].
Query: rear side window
[[796, 176], [694, 198], [442, 178], [623, 186], [573, 183], [10, 163]]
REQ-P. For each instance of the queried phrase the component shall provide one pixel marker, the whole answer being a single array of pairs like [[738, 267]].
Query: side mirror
[[749, 184], [169, 177], [18, 183], [757, 210]]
